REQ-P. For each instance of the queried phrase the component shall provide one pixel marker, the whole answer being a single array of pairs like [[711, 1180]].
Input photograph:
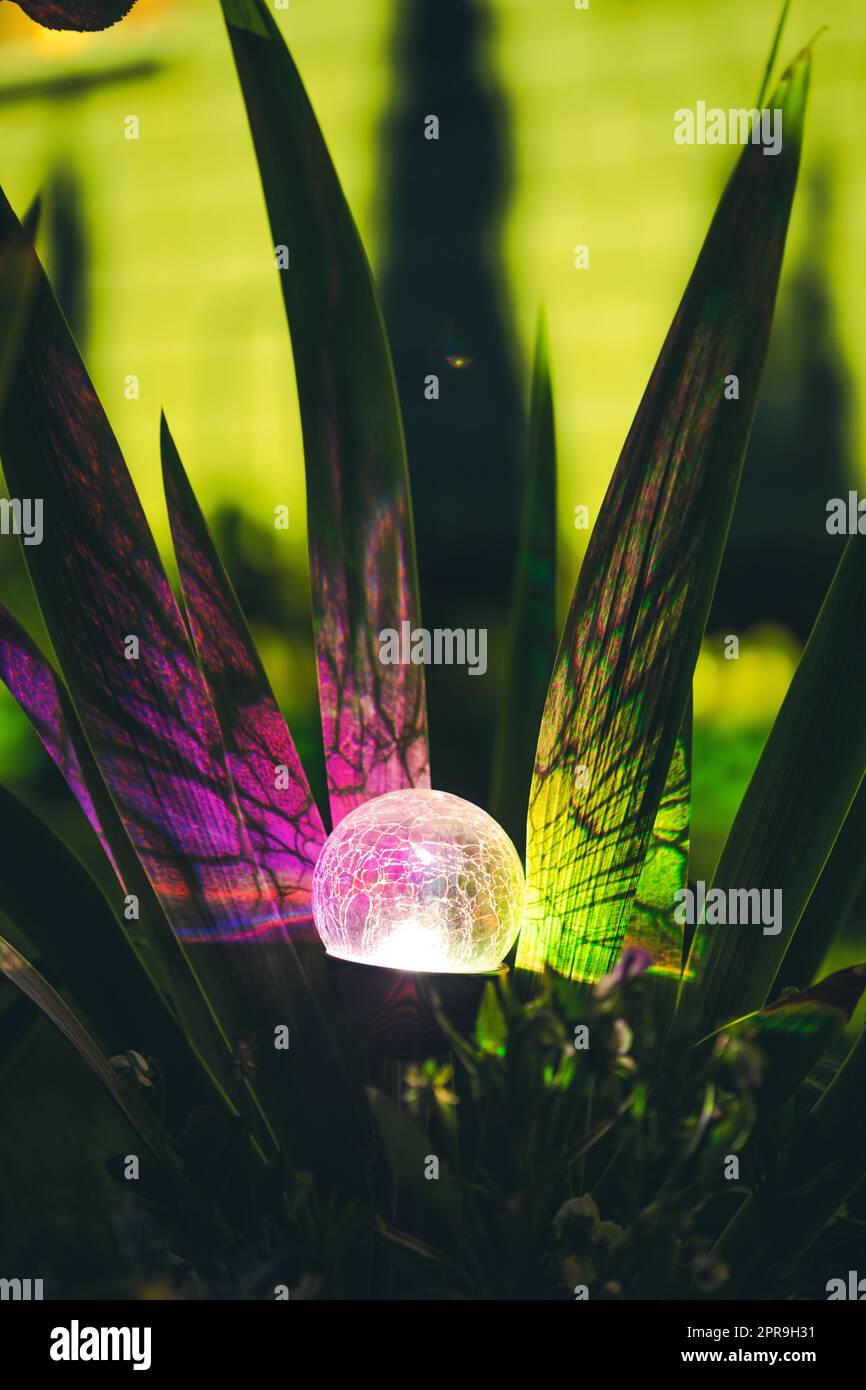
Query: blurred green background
[[556, 129]]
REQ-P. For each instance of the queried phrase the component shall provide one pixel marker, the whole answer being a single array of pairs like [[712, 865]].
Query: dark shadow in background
[[779, 561], [68, 259], [444, 298]]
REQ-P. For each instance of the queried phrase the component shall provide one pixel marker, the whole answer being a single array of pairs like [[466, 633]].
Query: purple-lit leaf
[[362, 551], [42, 696], [105, 596], [631, 640], [832, 909], [143, 703], [282, 820], [32, 681]]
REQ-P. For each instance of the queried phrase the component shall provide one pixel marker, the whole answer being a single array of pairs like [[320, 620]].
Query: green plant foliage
[[796, 802], [811, 1180], [567, 1142], [361, 538], [532, 630]]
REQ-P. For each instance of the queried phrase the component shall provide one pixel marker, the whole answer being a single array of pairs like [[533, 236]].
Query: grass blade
[[532, 635], [774, 53]]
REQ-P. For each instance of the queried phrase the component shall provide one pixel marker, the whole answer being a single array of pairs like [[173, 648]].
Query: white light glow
[[419, 880]]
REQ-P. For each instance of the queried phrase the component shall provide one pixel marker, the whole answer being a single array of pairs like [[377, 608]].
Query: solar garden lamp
[[417, 895]]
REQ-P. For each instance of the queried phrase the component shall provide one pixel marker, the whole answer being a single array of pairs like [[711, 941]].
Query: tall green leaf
[[532, 630], [361, 540], [833, 901], [826, 1162], [653, 926], [774, 52], [631, 640], [808, 775]]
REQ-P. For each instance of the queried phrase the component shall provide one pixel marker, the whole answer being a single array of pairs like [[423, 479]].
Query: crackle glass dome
[[419, 880]]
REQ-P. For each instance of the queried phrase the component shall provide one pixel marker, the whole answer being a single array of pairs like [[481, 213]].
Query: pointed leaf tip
[[623, 671], [361, 539]]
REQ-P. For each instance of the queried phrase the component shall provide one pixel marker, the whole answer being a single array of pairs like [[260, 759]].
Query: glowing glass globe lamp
[[419, 881]]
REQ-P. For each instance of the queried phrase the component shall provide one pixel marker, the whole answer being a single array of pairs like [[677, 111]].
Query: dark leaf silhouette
[[76, 14]]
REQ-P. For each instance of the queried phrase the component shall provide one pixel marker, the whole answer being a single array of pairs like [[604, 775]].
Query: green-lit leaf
[[773, 53], [532, 630], [808, 775], [833, 901], [631, 641], [665, 871], [491, 1028]]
